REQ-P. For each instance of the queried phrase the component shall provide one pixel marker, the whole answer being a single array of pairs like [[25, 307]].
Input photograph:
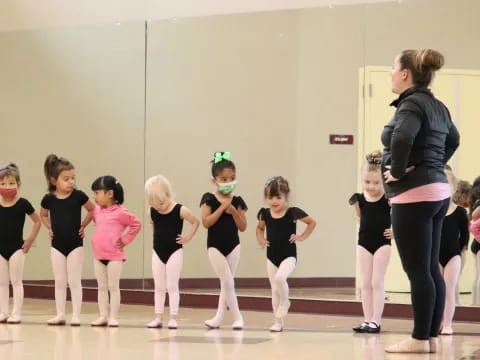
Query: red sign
[[341, 139]]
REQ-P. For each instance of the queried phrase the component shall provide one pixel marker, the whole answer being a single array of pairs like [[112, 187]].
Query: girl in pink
[[111, 219]]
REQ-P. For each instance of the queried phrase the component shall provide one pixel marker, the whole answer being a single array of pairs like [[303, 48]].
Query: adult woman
[[418, 142]]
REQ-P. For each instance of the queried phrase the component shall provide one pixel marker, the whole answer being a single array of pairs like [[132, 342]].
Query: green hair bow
[[220, 157]]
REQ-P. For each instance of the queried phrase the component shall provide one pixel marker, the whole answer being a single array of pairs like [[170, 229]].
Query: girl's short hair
[[463, 188], [157, 190], [53, 167], [107, 183], [276, 186], [221, 161], [373, 161], [10, 170]]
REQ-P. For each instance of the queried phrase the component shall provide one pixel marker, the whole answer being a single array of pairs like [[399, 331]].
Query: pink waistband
[[430, 192]]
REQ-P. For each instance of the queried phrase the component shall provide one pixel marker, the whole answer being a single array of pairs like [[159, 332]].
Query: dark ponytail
[[52, 168], [107, 183]]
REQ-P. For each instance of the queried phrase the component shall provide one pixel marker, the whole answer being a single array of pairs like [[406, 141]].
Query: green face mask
[[227, 188]]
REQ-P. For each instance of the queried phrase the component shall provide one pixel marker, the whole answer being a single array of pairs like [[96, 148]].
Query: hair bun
[[374, 158], [429, 59]]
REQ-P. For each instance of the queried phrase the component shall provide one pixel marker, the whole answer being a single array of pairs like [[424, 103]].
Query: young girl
[[12, 247], [461, 197], [61, 214], [108, 240], [224, 215], [374, 239], [280, 221], [453, 243], [475, 247], [167, 258]]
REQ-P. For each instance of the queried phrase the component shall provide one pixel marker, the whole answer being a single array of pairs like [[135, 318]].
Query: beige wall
[[32, 14]]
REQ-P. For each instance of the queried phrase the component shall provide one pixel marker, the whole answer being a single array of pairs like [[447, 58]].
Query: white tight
[[68, 269], [12, 270], [108, 279], [166, 278], [476, 281], [451, 274], [373, 269], [225, 268], [278, 281]]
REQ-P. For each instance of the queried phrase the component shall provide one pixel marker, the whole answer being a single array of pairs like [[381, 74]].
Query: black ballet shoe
[[362, 328], [375, 329]]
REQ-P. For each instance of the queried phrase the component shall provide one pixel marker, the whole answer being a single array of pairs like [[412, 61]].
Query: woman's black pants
[[417, 228]]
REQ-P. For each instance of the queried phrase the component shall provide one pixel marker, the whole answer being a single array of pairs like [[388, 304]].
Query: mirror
[[138, 99]]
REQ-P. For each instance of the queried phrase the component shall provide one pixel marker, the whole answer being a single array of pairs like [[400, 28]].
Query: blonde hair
[[373, 161], [452, 179], [158, 190]]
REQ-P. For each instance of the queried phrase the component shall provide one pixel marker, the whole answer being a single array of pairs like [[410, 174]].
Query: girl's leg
[[476, 282], [74, 271], [271, 271], [365, 260], [223, 267], [16, 263], [174, 269], [4, 289], [102, 292], [59, 265], [160, 284], [114, 270], [451, 275], [284, 270], [381, 258]]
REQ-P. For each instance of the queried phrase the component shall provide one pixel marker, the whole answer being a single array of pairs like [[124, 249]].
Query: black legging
[[417, 229]]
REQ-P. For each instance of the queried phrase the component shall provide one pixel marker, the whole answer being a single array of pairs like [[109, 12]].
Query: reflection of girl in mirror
[[461, 197], [61, 214], [475, 247], [167, 217], [280, 222], [13, 248], [111, 219], [374, 239], [453, 243], [224, 215]]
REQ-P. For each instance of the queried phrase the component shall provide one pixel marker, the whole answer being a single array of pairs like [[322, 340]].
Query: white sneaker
[[237, 324], [172, 324], [57, 321], [112, 322], [3, 318], [155, 324], [14, 319], [101, 321], [75, 321]]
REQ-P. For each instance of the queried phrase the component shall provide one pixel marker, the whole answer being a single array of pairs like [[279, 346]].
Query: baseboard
[[258, 303], [213, 283]]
